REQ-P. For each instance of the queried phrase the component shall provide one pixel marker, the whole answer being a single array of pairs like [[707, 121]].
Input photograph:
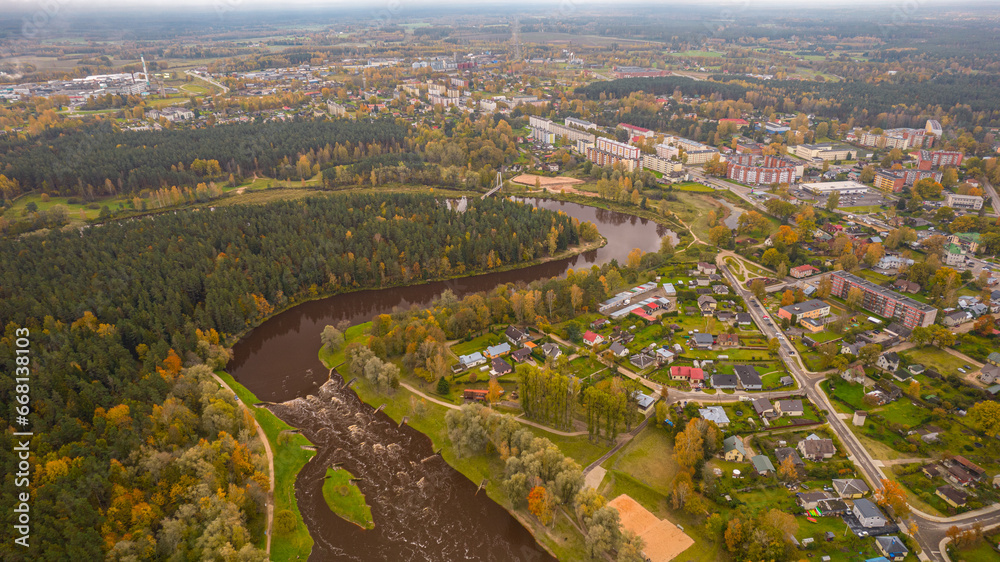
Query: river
[[423, 509]]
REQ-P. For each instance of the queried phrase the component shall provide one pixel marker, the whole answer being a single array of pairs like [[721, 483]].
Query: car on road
[[766, 317]]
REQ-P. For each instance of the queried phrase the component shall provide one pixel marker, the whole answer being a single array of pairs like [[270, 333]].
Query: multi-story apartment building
[[889, 304], [927, 160], [956, 201], [607, 152], [662, 165], [888, 180], [746, 168]]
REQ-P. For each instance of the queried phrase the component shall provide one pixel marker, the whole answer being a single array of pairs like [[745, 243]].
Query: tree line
[[100, 159]]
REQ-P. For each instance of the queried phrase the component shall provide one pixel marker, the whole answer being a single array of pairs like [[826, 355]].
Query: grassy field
[[289, 458], [935, 358], [692, 187], [696, 53], [345, 499]]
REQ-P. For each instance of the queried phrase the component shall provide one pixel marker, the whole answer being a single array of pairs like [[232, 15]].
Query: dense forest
[[969, 100], [138, 455], [103, 159]]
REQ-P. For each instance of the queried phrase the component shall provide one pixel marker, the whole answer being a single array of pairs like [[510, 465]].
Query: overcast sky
[[466, 5]]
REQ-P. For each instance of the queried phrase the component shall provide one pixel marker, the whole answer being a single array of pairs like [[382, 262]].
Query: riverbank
[[565, 254], [290, 455]]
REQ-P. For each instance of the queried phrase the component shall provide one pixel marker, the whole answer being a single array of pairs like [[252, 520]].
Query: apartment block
[[607, 152], [884, 302], [956, 201]]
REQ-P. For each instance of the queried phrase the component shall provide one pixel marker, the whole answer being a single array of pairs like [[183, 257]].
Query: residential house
[[724, 382], [500, 367], [728, 340], [618, 350], [705, 268], [551, 351], [989, 374], [664, 356], [904, 286], [692, 374], [789, 408], [891, 547], [733, 449], [715, 414], [959, 475], [891, 391], [516, 335], [956, 318], [977, 471], [851, 348], [927, 433], [641, 360], [472, 359], [521, 355], [850, 488], [933, 471], [817, 449], [810, 500], [498, 350], [786, 380], [644, 402], [868, 514], [749, 378], [953, 496], [592, 339], [803, 271], [763, 406], [993, 359], [854, 373], [727, 317], [762, 464], [782, 453], [832, 508], [707, 304], [743, 319], [720, 289], [888, 361], [702, 341], [598, 324], [814, 308]]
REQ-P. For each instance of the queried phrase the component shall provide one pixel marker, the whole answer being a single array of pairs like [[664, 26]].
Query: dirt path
[[451, 406], [621, 443], [270, 463]]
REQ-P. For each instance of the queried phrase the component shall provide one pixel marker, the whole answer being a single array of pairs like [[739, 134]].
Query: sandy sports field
[[664, 541], [547, 182]]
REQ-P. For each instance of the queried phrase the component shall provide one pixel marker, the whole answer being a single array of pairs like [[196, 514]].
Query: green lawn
[[905, 412], [289, 458], [935, 358], [985, 552], [345, 499], [478, 344], [692, 187]]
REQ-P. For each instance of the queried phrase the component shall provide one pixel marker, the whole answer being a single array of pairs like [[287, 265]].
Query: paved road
[[208, 79], [931, 530]]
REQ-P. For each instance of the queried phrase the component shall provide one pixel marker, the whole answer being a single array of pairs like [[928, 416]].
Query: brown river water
[[423, 509]]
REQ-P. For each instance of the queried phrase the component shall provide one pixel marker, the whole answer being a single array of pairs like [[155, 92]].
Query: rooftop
[[869, 286]]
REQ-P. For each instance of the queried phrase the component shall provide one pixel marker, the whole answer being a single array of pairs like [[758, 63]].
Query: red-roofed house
[[592, 339], [803, 271], [687, 373]]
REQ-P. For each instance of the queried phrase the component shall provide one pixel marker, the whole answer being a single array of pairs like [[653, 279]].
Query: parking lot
[[861, 200]]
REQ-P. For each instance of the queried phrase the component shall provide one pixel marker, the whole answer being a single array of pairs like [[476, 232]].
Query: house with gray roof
[[715, 414], [868, 514], [749, 378], [891, 547], [733, 449], [724, 382], [762, 464]]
